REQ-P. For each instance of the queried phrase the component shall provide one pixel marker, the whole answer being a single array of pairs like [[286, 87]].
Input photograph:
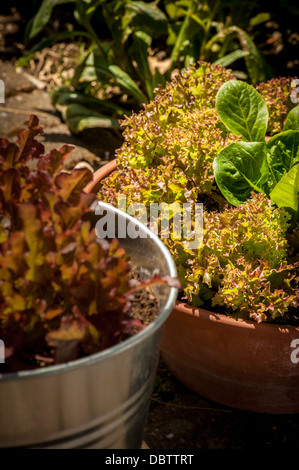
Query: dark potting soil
[[144, 305]]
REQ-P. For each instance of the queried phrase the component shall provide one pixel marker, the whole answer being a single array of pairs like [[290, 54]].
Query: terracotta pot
[[245, 365], [99, 175]]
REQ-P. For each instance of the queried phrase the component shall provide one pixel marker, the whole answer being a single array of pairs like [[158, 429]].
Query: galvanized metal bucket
[[100, 401]]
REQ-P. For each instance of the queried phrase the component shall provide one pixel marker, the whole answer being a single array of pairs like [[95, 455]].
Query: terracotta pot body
[[240, 364], [99, 175], [245, 365]]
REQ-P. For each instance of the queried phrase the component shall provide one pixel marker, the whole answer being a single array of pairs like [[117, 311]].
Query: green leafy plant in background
[[121, 37], [248, 263], [215, 31], [119, 60]]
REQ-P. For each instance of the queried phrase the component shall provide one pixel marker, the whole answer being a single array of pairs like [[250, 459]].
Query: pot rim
[[197, 312], [100, 174], [128, 343]]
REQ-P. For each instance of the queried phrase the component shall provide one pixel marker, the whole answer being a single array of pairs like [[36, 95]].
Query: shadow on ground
[[181, 419]]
